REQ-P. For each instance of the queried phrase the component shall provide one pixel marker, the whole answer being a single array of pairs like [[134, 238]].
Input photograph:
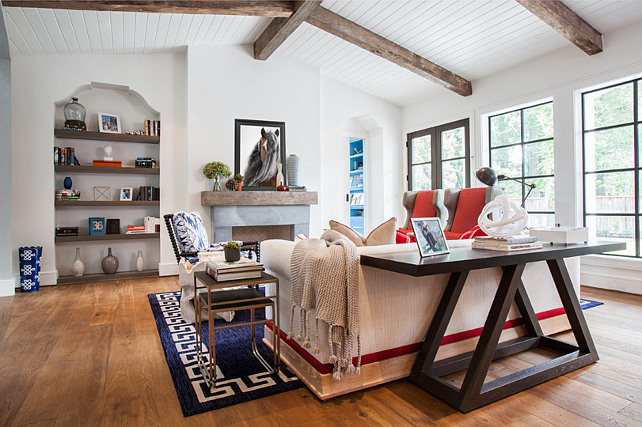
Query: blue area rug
[[240, 377], [587, 303]]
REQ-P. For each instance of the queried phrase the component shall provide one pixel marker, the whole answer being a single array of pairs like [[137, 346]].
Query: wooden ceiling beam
[[349, 31], [270, 8], [281, 28], [567, 23]]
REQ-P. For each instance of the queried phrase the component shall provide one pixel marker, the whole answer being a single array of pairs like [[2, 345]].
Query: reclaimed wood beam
[[349, 31], [271, 8], [281, 28], [567, 23]]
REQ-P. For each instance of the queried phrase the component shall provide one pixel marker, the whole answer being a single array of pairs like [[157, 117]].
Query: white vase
[[78, 267], [140, 262], [293, 169], [279, 174]]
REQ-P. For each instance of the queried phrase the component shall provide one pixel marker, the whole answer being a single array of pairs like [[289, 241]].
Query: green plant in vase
[[232, 251], [238, 178], [214, 170]]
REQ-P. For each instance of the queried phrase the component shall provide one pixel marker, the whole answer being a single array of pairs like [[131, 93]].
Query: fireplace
[[259, 215]]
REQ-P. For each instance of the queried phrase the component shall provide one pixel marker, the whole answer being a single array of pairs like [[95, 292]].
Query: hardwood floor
[[90, 355]]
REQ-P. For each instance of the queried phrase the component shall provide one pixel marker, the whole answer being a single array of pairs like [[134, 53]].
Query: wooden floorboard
[[89, 354]]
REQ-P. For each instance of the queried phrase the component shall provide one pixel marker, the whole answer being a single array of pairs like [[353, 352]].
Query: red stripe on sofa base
[[326, 368]]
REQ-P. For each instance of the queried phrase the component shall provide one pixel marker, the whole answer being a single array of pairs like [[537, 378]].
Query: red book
[[114, 163]]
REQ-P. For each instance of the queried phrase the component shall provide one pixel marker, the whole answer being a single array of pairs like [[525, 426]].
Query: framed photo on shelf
[[259, 146], [430, 236], [126, 194], [109, 123], [102, 193]]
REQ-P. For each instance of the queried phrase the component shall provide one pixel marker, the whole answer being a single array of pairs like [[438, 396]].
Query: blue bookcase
[[357, 185]]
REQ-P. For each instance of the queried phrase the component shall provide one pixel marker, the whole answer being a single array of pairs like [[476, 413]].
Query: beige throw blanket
[[325, 277]]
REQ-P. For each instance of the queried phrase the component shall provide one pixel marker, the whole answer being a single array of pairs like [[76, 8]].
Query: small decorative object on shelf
[[109, 123], [126, 194], [108, 153], [279, 174], [30, 257], [213, 170], [281, 187], [508, 219], [102, 193], [232, 251], [109, 263], [74, 115], [238, 179], [140, 262], [113, 226], [96, 226], [230, 184], [67, 183], [292, 165], [78, 267], [559, 234]]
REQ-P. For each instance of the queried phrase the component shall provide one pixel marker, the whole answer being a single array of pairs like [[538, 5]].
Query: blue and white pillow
[[190, 231]]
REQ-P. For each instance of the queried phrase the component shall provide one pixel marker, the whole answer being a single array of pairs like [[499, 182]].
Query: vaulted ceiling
[[470, 39]]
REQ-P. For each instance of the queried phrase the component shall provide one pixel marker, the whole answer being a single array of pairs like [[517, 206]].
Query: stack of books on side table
[[507, 244], [223, 271]]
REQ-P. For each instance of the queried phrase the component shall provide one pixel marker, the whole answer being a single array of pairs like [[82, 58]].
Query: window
[[521, 147], [611, 132], [439, 157]]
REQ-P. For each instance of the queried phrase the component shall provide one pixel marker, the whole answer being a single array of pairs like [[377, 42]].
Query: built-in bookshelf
[[356, 197], [90, 146]]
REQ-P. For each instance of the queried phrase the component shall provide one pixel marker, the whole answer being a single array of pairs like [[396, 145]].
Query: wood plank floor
[[90, 355]]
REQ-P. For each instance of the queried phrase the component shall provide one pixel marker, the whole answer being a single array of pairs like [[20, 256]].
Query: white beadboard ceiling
[[472, 38]]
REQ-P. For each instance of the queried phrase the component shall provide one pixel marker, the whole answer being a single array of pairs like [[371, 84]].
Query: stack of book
[[65, 156], [66, 231], [512, 243], [135, 229], [111, 163], [222, 271], [151, 224], [297, 188], [67, 194], [148, 193]]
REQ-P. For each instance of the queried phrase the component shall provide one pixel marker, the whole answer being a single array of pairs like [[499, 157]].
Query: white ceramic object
[[279, 174], [78, 267], [292, 165], [511, 219], [140, 262]]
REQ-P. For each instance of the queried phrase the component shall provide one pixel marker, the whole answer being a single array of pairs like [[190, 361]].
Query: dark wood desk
[[473, 392]]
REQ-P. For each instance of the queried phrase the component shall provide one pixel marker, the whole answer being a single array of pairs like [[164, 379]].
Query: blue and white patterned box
[[30, 257]]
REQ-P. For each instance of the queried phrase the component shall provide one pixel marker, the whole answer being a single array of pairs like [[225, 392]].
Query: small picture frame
[[126, 194], [113, 226], [109, 123], [102, 193], [430, 236]]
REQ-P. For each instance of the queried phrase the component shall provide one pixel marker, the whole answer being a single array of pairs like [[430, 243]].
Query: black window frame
[[636, 169], [524, 179], [436, 160]]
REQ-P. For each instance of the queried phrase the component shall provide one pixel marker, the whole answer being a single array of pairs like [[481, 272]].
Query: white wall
[[559, 76], [345, 113], [6, 259], [226, 83], [37, 83]]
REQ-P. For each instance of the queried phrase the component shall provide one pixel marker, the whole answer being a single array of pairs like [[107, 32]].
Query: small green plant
[[213, 169], [232, 244], [238, 177]]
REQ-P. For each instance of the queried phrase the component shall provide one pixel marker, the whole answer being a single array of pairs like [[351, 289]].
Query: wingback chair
[[464, 207], [421, 204]]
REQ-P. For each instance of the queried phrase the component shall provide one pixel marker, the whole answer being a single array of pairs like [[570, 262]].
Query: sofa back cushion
[[469, 206], [384, 234]]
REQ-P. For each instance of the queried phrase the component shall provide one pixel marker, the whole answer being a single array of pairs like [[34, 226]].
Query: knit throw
[[325, 277]]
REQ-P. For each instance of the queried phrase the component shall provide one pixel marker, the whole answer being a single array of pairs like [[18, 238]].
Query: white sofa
[[395, 312]]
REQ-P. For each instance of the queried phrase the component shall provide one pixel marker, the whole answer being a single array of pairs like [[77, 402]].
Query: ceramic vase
[[78, 267], [239, 186], [110, 263], [293, 169], [232, 254], [279, 174], [67, 183], [140, 262]]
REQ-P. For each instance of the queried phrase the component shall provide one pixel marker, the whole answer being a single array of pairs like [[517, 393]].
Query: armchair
[[420, 204], [464, 207]]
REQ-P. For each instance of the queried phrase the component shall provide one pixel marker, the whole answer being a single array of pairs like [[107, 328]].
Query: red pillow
[[470, 204], [423, 205]]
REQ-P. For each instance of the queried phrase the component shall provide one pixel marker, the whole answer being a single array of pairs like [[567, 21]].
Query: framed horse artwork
[[259, 148]]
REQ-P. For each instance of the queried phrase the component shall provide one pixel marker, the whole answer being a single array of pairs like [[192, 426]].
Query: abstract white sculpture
[[511, 219]]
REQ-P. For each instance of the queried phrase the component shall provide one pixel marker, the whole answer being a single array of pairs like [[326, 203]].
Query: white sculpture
[[108, 152], [508, 218]]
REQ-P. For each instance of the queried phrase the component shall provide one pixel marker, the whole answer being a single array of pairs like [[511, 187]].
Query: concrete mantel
[[258, 198]]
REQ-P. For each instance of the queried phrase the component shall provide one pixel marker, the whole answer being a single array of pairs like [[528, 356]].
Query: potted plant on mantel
[[232, 251], [239, 181], [214, 170]]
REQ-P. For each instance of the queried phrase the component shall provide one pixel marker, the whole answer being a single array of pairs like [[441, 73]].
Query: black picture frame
[[247, 134]]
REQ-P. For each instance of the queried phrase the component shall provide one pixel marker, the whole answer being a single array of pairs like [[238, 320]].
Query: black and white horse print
[[262, 163]]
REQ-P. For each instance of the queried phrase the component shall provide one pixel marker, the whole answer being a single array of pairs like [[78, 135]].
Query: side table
[[233, 295]]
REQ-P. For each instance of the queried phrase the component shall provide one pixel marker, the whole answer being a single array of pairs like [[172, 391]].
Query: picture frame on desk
[[109, 123], [430, 236]]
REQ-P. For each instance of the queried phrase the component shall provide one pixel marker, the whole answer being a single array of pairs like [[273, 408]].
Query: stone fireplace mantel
[[233, 209]]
